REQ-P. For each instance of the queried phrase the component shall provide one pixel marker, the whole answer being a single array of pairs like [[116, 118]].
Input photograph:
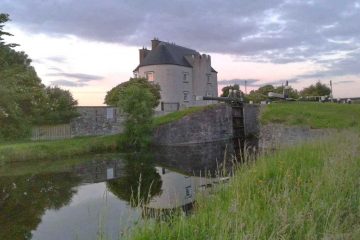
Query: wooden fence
[[51, 132]]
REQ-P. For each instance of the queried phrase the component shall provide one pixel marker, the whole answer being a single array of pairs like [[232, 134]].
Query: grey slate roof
[[168, 53]]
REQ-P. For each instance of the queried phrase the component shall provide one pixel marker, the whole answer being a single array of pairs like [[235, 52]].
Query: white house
[[182, 74]]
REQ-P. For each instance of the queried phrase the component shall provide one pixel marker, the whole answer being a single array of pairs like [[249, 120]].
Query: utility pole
[[331, 88], [245, 87]]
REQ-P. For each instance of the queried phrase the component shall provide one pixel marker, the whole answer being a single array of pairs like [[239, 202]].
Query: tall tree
[[23, 98], [59, 107], [137, 101], [235, 87], [318, 89], [21, 91], [112, 97]]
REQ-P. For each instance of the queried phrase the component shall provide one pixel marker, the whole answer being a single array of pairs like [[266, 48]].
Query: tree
[[23, 98], [226, 90], [291, 93], [21, 91], [138, 104], [260, 94], [112, 97], [59, 107], [318, 89]]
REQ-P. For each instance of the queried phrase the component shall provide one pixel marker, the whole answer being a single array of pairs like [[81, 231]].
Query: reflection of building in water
[[99, 170], [178, 190]]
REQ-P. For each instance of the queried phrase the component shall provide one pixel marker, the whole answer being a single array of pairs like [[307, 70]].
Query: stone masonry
[[101, 120]]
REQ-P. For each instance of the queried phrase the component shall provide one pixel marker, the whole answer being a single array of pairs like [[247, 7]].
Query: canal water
[[105, 195]]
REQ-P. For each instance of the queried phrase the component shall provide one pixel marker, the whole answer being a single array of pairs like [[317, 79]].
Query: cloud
[[277, 31], [57, 59], [343, 82], [80, 77], [67, 83], [56, 69]]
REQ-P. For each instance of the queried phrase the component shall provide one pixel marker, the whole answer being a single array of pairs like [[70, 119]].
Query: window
[[186, 96], [150, 76], [185, 77], [109, 113], [208, 78]]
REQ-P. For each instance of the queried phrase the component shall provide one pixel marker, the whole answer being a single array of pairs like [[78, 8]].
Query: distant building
[[182, 74]]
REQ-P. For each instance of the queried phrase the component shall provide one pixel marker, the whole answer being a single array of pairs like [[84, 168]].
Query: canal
[[105, 195]]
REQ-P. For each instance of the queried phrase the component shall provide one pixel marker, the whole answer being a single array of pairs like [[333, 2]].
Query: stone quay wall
[[101, 120], [212, 124]]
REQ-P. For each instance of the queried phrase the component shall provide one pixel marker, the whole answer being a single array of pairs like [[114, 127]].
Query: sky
[[90, 46]]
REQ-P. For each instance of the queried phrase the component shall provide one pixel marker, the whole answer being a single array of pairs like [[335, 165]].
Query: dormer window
[[150, 76]]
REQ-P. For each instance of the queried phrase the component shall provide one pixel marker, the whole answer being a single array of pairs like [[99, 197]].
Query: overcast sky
[[91, 46]]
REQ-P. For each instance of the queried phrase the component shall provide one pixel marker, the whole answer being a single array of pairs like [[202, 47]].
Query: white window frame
[[148, 74], [185, 77], [186, 96], [208, 78]]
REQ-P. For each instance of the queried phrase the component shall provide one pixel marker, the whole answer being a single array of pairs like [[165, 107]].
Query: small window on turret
[[185, 77], [208, 78], [150, 76]]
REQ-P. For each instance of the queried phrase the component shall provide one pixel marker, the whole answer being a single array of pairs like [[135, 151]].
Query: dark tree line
[[261, 94], [24, 100]]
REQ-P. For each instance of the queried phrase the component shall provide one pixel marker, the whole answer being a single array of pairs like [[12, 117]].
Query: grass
[[59, 149], [314, 115], [310, 191], [174, 116]]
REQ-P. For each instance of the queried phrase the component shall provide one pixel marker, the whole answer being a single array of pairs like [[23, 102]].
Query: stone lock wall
[[212, 124], [97, 121]]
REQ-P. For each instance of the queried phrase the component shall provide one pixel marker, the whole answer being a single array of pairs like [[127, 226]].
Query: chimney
[[154, 43], [142, 54]]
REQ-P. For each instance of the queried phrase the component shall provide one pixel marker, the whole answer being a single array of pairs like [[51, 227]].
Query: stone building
[[182, 74]]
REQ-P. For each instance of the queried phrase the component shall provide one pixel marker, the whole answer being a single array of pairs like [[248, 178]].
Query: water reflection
[[106, 194], [140, 181], [24, 199]]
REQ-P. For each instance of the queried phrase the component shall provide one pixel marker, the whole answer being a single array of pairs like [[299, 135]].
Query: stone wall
[[251, 120], [102, 120], [212, 124], [277, 136]]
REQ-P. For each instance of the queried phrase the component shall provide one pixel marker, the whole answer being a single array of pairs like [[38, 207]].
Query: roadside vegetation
[[310, 191]]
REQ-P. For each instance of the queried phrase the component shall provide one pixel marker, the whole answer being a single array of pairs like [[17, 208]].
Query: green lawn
[[315, 115]]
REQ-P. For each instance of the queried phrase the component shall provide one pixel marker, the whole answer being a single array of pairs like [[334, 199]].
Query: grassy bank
[[174, 116], [46, 150], [306, 192], [315, 115]]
